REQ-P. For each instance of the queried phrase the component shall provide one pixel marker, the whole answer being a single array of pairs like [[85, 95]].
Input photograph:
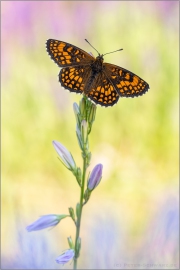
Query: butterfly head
[[100, 58]]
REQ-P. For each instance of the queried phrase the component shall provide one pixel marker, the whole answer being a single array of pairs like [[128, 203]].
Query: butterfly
[[102, 83]]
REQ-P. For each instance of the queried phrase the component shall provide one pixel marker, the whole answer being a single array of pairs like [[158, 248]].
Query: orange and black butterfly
[[82, 73]]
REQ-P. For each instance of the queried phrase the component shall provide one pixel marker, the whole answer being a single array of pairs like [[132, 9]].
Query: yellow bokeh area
[[132, 216]]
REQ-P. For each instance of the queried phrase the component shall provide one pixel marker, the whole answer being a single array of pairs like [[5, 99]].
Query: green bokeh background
[[135, 140]]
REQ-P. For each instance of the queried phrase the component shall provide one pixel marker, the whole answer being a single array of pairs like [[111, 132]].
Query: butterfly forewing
[[64, 54]]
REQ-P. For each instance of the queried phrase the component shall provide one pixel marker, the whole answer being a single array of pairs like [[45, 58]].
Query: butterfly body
[[102, 82], [95, 70]]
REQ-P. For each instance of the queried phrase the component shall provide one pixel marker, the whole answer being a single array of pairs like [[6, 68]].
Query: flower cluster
[[85, 116]]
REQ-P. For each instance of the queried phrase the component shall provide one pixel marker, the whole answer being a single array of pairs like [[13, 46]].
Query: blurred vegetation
[[136, 140]]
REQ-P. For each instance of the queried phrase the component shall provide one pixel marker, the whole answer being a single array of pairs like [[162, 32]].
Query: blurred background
[[131, 220]]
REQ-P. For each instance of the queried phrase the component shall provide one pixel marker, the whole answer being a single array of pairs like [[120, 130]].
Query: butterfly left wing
[[65, 54], [127, 84]]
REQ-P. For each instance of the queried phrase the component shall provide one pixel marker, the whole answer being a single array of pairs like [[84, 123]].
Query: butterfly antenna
[[113, 51], [91, 46]]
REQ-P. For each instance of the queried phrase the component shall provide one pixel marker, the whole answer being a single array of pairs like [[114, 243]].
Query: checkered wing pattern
[[74, 78], [64, 54], [102, 82], [103, 92], [127, 84]]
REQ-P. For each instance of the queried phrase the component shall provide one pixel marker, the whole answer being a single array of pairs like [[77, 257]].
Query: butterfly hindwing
[[74, 78], [103, 92]]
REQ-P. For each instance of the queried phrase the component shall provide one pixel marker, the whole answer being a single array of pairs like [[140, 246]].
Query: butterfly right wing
[[65, 54], [127, 84]]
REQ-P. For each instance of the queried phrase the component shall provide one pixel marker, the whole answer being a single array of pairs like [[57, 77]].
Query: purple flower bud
[[65, 156], [66, 256], [45, 222], [91, 54], [95, 177], [76, 108]]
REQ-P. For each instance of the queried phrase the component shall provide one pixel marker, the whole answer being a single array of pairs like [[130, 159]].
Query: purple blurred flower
[[95, 177], [65, 156], [45, 222], [65, 257]]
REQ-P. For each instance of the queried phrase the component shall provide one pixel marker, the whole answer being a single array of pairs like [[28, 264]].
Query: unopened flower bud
[[84, 130], [77, 210], [70, 242], [88, 158], [91, 54], [77, 113], [95, 177], [65, 156], [82, 107], [79, 137], [44, 222], [87, 195], [92, 113], [79, 176], [66, 256], [78, 247], [71, 212]]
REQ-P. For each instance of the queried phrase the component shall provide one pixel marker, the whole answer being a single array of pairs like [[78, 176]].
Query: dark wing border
[[85, 61], [107, 70]]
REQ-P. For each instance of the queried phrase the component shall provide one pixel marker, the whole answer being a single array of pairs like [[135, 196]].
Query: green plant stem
[[78, 224]]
